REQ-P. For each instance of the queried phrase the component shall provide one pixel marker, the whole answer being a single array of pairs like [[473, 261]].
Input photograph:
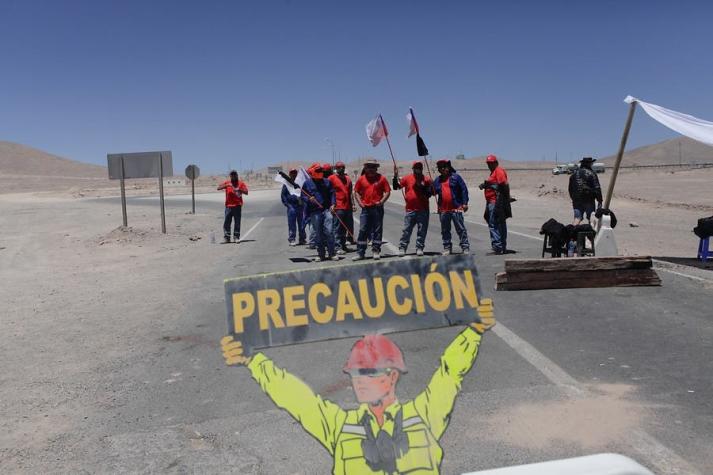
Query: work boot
[[341, 252], [317, 259], [226, 240], [466, 250], [419, 252], [335, 258], [402, 252], [376, 256], [236, 238], [358, 257], [446, 252], [293, 243]]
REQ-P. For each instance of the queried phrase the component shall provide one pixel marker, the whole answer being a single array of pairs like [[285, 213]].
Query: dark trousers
[[411, 219], [295, 224], [455, 217], [340, 234], [371, 225], [230, 215], [498, 230]]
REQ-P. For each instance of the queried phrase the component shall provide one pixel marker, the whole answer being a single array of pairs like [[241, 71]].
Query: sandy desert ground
[[110, 360]]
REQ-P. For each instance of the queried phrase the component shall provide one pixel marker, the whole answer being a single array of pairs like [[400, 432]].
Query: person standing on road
[[452, 197], [371, 192], [319, 199], [295, 221], [344, 208], [584, 188], [497, 204], [417, 189], [234, 191]]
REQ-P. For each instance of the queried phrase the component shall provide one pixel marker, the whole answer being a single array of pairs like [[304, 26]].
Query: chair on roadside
[[704, 231], [704, 251]]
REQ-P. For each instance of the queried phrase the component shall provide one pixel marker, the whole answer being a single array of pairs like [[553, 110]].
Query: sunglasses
[[371, 372]]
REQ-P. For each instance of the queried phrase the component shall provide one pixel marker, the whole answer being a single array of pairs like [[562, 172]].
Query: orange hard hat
[[375, 352], [491, 159]]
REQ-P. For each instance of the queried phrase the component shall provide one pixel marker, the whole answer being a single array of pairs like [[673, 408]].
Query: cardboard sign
[[344, 301]]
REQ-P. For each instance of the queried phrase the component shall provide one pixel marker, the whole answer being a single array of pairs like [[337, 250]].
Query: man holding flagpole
[[344, 207], [318, 195], [295, 223], [417, 189]]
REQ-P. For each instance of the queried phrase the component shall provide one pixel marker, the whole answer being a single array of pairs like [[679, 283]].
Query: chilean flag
[[413, 129], [376, 130]]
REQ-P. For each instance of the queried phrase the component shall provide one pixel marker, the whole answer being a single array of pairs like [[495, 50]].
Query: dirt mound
[[17, 159]]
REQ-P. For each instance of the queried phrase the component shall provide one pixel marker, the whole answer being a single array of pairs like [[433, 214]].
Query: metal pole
[[160, 190], [620, 154], [193, 193], [123, 194]]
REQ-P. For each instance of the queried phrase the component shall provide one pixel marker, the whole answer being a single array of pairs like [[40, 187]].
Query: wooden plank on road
[[571, 264], [576, 279]]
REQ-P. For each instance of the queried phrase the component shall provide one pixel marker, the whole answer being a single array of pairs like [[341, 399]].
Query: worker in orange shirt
[[344, 208], [234, 191]]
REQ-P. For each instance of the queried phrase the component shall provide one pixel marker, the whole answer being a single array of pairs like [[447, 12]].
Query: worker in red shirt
[[234, 191], [452, 197], [344, 207], [417, 189], [497, 204], [371, 192]]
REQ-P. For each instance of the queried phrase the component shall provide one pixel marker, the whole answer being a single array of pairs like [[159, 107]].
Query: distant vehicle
[[561, 170], [599, 168], [570, 168]]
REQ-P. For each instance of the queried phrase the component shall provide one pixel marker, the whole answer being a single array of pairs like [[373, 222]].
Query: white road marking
[[251, 229], [661, 457]]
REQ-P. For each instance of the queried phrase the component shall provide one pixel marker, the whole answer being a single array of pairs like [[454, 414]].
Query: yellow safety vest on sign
[[343, 432]]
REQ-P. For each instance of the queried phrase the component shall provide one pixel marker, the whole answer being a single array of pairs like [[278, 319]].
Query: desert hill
[[17, 159], [666, 153]]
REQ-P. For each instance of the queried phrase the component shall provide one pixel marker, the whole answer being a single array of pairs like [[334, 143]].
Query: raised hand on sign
[[486, 315], [233, 352]]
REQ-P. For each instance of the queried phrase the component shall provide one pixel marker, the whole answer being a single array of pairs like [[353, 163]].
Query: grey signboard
[[139, 165], [338, 302]]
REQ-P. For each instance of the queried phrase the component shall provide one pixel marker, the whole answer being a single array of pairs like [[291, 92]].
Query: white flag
[[302, 177], [376, 130], [293, 191], [693, 127]]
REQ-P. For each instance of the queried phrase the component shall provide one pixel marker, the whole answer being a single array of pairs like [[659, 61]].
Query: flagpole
[[620, 154], [388, 142]]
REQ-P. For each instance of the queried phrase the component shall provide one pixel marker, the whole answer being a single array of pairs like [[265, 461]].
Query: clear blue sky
[[255, 82]]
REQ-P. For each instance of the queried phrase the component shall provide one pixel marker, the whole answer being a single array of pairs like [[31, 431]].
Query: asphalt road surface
[[564, 373]]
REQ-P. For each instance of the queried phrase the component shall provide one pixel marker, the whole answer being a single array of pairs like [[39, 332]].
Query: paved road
[[565, 373]]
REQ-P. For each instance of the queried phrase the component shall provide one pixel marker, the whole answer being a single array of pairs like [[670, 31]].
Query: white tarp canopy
[[684, 124]]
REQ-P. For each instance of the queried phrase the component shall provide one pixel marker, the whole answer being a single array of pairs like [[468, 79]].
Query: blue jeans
[[340, 234], [455, 217], [411, 219], [323, 227], [583, 209], [230, 215], [295, 222], [498, 230], [371, 222]]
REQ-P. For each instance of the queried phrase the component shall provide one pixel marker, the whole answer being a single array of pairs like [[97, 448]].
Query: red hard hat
[[339, 164], [491, 159], [375, 352], [326, 167], [417, 163]]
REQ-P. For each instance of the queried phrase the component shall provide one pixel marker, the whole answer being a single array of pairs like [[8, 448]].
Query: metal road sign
[[193, 172]]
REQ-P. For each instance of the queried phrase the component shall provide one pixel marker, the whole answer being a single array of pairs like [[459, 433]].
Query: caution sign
[[339, 302]]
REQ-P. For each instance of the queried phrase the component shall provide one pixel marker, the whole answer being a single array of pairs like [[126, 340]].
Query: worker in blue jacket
[[295, 215], [452, 197]]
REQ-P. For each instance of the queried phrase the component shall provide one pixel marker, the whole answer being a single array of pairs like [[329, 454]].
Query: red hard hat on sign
[[491, 159], [375, 352]]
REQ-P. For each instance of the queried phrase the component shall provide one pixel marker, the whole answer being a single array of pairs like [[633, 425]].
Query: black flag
[[420, 146]]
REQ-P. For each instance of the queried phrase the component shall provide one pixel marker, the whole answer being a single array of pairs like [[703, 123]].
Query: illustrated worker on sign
[[234, 191], [382, 435]]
